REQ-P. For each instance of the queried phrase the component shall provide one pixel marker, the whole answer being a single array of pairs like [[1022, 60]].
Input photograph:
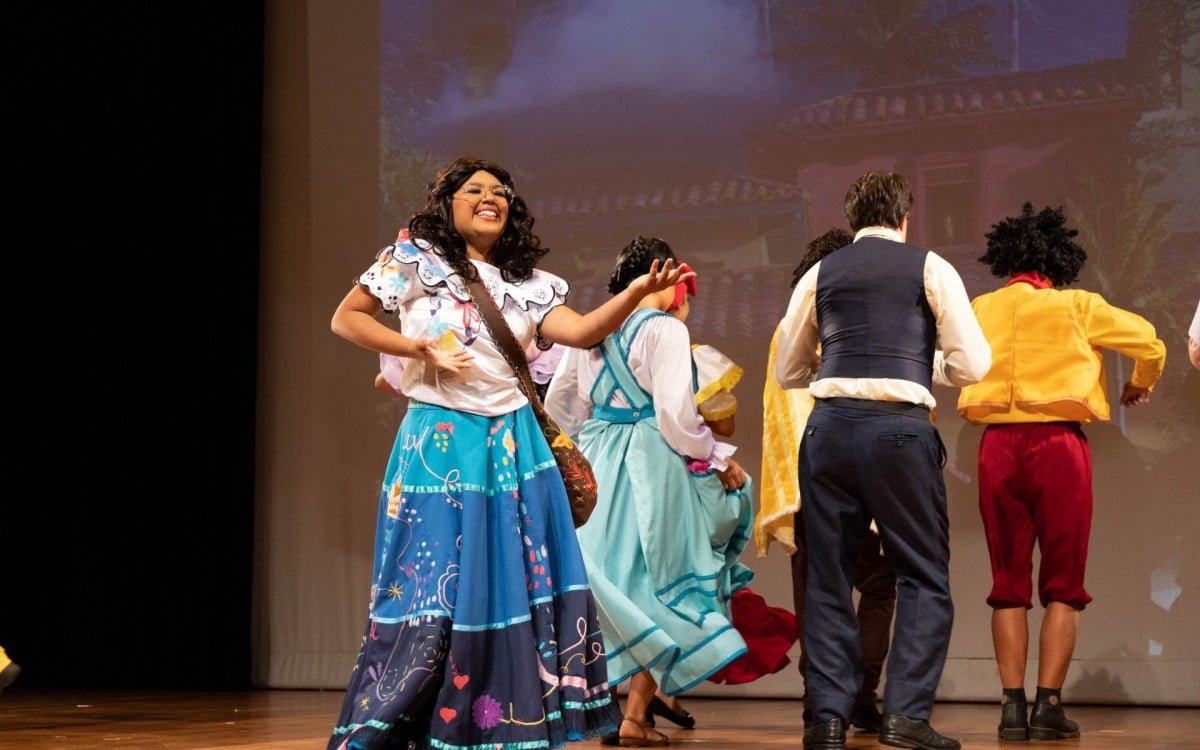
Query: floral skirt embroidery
[[482, 631]]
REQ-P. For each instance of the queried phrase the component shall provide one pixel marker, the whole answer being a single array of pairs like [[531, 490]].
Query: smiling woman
[[473, 212], [455, 655]]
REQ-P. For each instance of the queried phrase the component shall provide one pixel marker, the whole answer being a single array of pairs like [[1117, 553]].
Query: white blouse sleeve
[[563, 401], [547, 292], [797, 355], [392, 279], [965, 356], [553, 292], [662, 352]]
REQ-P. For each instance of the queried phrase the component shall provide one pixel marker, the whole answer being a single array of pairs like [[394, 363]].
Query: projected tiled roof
[[1077, 86], [653, 190]]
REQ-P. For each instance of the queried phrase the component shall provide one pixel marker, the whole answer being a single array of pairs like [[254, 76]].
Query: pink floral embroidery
[[696, 466]]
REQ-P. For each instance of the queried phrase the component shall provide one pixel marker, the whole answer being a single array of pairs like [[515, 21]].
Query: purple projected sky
[[670, 80]]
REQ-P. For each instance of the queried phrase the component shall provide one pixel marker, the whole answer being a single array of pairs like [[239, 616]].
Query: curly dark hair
[[1035, 242], [834, 239], [878, 199], [634, 260], [517, 251]]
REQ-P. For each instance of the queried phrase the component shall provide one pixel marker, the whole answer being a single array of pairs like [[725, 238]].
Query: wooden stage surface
[[33, 719]]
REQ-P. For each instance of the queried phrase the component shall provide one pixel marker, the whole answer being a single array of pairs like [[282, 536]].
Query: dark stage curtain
[[127, 529]]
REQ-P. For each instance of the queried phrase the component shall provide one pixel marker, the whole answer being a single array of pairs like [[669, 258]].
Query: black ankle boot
[[1048, 721], [1014, 715]]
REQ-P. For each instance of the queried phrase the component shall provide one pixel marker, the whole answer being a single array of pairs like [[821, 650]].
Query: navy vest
[[874, 318]]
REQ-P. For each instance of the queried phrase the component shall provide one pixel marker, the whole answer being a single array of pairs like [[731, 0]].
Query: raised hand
[[657, 279]]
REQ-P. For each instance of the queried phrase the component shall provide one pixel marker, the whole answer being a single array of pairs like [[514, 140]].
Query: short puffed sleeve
[[555, 292], [392, 279], [544, 292], [529, 300]]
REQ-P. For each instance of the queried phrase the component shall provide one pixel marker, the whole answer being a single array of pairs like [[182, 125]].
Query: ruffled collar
[[540, 289]]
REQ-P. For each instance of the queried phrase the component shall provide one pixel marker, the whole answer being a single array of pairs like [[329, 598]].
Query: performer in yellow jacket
[[785, 413], [8, 670], [1035, 468]]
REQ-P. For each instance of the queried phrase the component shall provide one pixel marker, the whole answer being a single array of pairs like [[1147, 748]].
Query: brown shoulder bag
[[576, 472]]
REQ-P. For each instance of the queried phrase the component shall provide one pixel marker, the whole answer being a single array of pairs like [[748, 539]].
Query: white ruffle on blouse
[[410, 281], [661, 361]]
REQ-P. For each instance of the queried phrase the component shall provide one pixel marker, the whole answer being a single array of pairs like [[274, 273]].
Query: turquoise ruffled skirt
[[661, 553]]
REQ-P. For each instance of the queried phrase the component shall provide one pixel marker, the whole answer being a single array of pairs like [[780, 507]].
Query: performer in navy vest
[[869, 329]]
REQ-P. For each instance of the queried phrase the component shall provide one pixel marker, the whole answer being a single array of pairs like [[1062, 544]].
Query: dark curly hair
[[1035, 242], [517, 251], [878, 199], [834, 239], [634, 260]]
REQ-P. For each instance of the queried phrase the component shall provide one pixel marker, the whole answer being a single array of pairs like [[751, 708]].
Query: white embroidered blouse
[[416, 285], [661, 361]]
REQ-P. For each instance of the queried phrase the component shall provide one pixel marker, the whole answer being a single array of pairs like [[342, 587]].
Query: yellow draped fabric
[[784, 415]]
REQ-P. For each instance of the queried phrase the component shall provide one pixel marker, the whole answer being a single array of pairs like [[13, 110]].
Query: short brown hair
[[878, 199]]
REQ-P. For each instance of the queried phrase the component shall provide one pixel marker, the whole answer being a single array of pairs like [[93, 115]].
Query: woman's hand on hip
[[442, 360]]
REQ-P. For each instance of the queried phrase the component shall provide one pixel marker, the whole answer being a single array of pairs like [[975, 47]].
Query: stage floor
[[292, 719]]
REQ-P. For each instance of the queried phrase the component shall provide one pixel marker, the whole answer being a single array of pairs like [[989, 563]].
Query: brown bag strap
[[512, 352]]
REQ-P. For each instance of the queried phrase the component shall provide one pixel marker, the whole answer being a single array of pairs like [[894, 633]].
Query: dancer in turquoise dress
[[482, 631], [673, 511]]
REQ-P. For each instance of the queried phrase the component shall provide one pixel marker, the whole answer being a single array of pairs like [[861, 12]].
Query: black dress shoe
[[901, 731], [825, 735], [866, 717], [1014, 716], [1048, 720], [9, 675], [659, 707]]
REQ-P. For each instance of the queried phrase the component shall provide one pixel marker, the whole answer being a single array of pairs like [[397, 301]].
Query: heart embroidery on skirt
[[461, 680], [448, 714]]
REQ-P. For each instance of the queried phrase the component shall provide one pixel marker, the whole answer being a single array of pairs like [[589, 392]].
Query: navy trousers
[[857, 464]]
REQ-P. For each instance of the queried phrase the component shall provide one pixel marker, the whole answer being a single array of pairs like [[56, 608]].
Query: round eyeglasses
[[473, 193]]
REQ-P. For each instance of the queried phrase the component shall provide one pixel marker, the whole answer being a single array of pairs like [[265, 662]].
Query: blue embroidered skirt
[[482, 630]]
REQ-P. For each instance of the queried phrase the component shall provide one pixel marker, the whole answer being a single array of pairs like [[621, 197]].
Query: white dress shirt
[[963, 355]]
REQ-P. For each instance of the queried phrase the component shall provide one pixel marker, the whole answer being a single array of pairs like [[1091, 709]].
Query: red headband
[[687, 286]]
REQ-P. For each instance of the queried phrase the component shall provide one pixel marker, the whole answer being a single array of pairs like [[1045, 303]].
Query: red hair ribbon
[[687, 286]]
